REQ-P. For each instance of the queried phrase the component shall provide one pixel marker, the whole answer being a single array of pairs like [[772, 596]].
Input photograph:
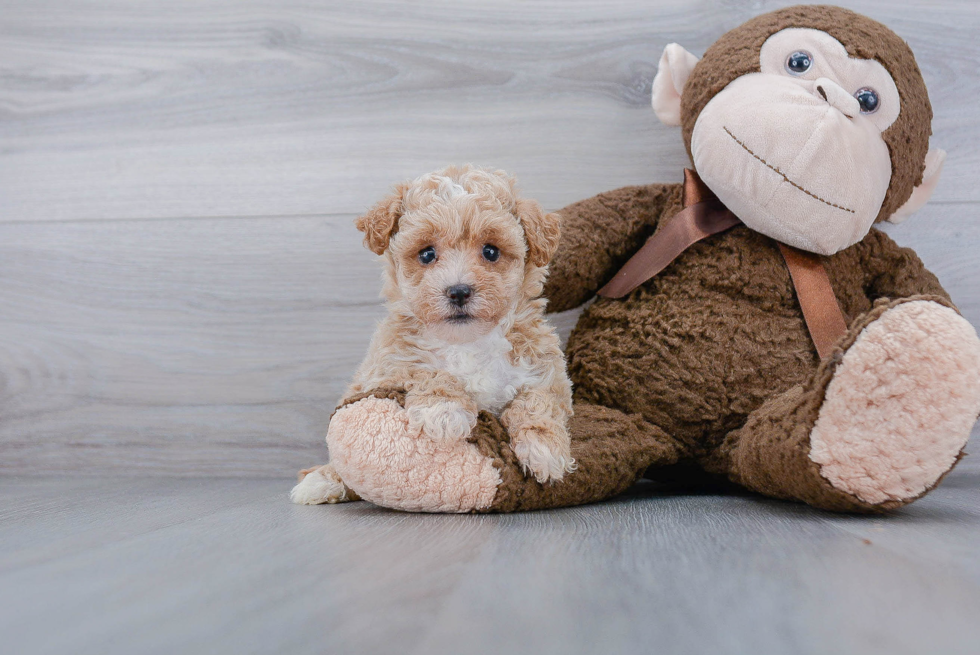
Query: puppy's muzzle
[[459, 294]]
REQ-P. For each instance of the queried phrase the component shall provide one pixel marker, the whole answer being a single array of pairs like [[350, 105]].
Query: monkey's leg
[[611, 451], [386, 462], [880, 422], [391, 463]]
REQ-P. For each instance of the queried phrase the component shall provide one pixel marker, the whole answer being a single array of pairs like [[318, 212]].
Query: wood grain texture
[[228, 566], [180, 345], [257, 108]]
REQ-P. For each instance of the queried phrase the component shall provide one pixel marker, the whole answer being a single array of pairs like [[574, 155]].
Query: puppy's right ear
[[381, 221]]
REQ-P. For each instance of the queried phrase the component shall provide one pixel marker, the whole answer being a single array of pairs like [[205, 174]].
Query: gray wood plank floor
[[157, 565]]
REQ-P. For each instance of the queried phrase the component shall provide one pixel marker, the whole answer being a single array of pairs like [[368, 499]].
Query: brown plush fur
[[737, 53], [715, 338]]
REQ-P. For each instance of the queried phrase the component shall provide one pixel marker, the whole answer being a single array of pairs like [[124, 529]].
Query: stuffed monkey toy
[[751, 324]]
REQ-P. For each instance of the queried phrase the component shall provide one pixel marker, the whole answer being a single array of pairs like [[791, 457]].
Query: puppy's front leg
[[438, 405], [536, 421]]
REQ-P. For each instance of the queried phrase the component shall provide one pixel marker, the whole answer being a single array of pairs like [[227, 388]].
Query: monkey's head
[[810, 123]]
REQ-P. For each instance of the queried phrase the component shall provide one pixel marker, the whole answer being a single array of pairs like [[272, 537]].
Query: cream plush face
[[811, 122], [791, 150]]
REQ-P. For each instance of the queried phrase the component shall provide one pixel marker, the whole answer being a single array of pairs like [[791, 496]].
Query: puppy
[[465, 263]]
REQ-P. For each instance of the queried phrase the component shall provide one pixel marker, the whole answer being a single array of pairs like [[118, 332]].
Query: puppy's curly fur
[[465, 264]]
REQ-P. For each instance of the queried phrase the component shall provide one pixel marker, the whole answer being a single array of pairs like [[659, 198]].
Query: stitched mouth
[[783, 175]]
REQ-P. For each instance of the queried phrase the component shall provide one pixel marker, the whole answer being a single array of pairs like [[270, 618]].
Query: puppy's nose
[[459, 294]]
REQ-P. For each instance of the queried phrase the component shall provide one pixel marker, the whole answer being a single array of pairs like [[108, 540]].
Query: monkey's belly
[[694, 364]]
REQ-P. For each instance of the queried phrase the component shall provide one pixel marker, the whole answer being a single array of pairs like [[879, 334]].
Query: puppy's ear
[[541, 231], [381, 221]]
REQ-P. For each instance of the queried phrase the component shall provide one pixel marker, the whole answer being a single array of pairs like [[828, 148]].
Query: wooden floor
[[161, 565], [183, 298]]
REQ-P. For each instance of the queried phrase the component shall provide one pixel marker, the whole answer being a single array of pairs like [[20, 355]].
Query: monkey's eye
[[868, 99], [491, 253], [427, 255], [799, 62]]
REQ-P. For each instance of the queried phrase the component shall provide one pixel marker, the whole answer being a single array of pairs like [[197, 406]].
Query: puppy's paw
[[546, 456], [320, 485], [442, 420]]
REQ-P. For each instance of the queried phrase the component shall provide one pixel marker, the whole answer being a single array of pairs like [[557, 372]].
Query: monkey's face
[[810, 123], [795, 150]]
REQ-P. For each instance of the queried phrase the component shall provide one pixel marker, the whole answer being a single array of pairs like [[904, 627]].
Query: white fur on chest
[[484, 367]]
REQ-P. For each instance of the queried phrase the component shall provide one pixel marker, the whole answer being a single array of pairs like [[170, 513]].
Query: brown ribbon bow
[[704, 215]]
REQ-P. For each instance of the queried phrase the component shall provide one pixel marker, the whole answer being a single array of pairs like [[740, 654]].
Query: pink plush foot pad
[[901, 405], [377, 456]]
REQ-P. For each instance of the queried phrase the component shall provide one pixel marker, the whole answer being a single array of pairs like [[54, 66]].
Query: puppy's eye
[[799, 62], [868, 99], [491, 253], [427, 255]]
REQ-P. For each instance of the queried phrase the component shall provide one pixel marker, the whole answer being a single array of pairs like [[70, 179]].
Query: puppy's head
[[462, 249]]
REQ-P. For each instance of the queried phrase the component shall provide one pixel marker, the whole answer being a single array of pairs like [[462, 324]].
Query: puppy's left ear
[[541, 231], [381, 221]]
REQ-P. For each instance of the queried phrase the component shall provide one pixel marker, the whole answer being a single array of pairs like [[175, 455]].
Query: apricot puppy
[[465, 263]]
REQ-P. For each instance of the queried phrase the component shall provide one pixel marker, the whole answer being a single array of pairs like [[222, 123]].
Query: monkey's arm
[[598, 235], [895, 272]]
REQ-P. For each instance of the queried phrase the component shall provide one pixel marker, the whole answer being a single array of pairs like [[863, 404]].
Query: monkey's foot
[[389, 463], [901, 404]]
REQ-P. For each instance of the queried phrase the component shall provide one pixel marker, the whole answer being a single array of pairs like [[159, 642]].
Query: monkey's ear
[[675, 67], [920, 194], [381, 221], [541, 231]]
